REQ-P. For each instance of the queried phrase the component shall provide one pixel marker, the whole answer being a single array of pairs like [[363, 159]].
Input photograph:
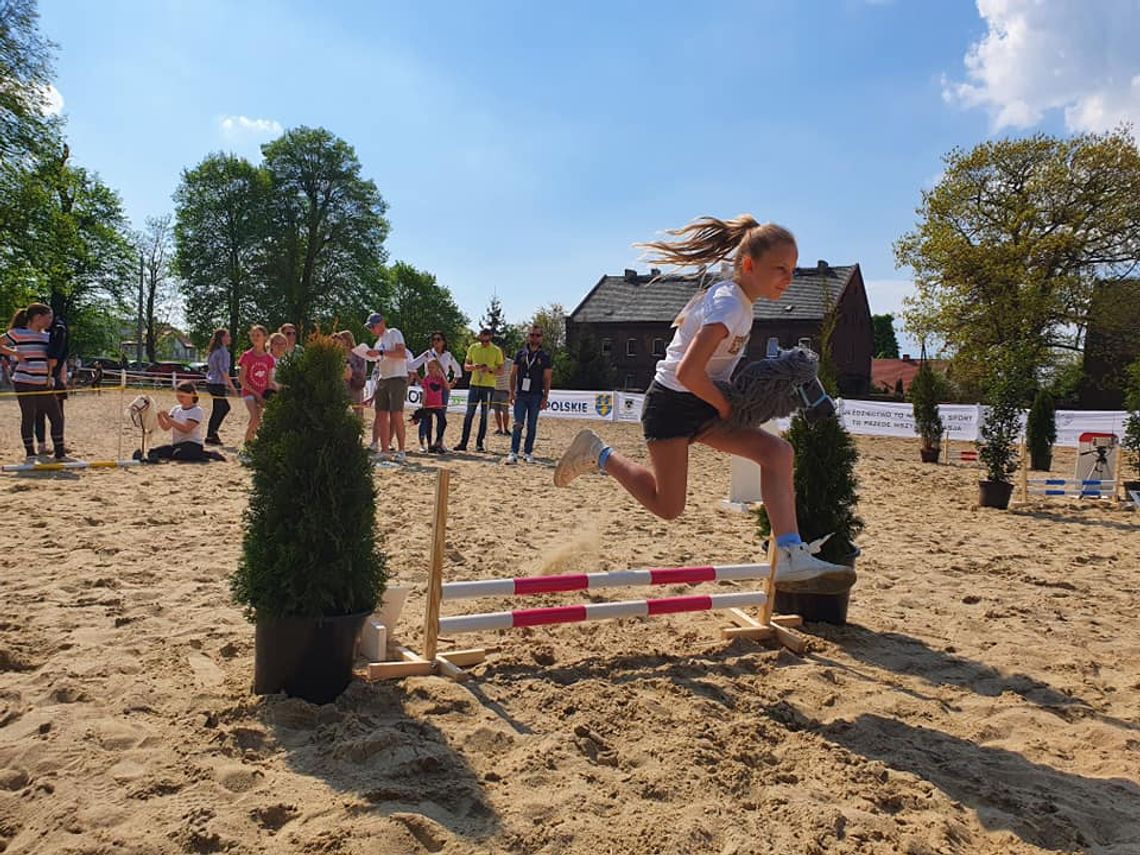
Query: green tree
[[156, 249], [585, 367], [219, 240], [886, 343], [25, 73], [1012, 240], [1041, 431], [326, 228], [417, 305], [64, 240], [494, 319], [924, 395]]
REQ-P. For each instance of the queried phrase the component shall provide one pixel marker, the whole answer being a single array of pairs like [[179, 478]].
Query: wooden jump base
[[70, 464], [451, 663]]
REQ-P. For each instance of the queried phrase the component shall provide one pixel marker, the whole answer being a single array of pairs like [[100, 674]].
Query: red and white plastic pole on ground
[[598, 611]]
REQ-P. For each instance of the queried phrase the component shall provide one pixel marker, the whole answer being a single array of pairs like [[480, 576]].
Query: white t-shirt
[[386, 366], [184, 415], [451, 368], [723, 303]]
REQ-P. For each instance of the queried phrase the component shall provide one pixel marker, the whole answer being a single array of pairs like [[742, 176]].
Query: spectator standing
[[219, 382], [436, 391], [27, 342], [255, 376], [58, 345], [531, 373], [292, 348], [501, 397], [483, 361], [356, 374], [391, 385], [452, 371]]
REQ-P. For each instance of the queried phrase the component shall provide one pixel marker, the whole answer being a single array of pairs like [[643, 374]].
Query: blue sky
[[523, 147]]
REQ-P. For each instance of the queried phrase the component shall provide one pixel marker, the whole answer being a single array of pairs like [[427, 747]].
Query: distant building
[[886, 373], [631, 318]]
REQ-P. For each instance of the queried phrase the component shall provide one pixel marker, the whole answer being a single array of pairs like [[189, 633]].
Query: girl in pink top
[[255, 376], [436, 392]]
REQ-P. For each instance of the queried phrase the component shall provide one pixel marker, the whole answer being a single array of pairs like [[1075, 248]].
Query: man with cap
[[391, 385], [483, 361]]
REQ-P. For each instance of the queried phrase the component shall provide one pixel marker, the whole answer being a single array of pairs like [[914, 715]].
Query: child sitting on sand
[[185, 425]]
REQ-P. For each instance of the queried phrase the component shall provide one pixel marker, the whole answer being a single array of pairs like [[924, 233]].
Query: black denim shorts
[[668, 414]]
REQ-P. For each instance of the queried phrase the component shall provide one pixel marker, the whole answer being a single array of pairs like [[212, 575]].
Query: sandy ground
[[985, 697]]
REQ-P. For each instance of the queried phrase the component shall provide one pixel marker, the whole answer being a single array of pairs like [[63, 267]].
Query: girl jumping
[[684, 405]]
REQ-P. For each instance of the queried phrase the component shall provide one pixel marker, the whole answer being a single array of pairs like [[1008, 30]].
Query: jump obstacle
[[450, 663], [70, 464], [1080, 486]]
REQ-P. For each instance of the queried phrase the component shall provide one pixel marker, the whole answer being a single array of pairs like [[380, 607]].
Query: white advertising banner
[[867, 418], [629, 406]]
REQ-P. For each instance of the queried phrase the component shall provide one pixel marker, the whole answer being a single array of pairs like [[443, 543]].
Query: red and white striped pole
[[528, 585], [598, 611]]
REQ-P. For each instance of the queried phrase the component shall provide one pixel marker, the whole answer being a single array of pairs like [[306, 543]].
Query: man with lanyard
[[483, 361], [57, 352], [531, 374], [391, 388]]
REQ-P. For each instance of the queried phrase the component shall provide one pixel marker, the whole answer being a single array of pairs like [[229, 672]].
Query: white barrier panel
[[866, 418], [629, 406]]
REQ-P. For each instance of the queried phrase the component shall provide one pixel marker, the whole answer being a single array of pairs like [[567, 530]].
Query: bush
[[925, 390], [1002, 425], [311, 547], [825, 486], [1041, 429]]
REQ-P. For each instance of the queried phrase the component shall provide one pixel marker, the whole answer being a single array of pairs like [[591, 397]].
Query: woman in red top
[[255, 376]]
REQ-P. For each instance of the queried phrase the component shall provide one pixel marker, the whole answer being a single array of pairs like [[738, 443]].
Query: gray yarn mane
[[766, 389]]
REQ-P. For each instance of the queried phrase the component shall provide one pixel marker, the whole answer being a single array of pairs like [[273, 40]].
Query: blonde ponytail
[[707, 240]]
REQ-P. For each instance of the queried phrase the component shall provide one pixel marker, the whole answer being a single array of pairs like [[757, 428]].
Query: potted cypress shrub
[[311, 568], [999, 433], [924, 393], [826, 500], [1041, 432], [1130, 444]]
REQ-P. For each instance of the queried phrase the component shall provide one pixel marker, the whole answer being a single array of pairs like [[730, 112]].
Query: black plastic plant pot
[[994, 494], [930, 455], [307, 658], [817, 608]]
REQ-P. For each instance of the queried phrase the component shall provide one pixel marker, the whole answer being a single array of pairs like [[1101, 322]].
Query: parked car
[[167, 370]]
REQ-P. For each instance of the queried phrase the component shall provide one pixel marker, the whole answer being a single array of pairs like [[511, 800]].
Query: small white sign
[[1135, 494]]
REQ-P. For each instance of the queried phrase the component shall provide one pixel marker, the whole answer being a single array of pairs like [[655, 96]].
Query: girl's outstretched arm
[[693, 370]]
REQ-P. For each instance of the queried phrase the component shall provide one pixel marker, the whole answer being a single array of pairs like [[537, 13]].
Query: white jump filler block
[[374, 640], [744, 479]]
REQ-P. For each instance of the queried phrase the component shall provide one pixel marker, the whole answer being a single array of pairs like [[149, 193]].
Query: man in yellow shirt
[[483, 361]]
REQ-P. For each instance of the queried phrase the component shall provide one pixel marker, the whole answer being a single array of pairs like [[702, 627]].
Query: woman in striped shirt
[[27, 342]]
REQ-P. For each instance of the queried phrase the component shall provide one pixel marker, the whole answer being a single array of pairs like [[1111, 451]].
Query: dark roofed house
[[631, 318]]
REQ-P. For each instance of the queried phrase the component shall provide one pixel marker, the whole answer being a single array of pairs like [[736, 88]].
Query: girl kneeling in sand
[[185, 425], [684, 405]]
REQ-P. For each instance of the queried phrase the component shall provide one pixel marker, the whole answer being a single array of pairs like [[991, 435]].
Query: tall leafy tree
[[25, 72], [156, 251], [417, 305], [1011, 242], [219, 238], [326, 227], [886, 343]]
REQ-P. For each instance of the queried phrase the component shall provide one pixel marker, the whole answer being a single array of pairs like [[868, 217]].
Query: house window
[[805, 343], [658, 347], [607, 346], [631, 347], [628, 382]]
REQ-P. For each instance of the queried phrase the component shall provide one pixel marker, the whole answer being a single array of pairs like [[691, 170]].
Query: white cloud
[[245, 128], [51, 100], [1075, 56]]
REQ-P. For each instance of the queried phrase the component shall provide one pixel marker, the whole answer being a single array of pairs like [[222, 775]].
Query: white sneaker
[[374, 447], [512, 459], [401, 457], [423, 448], [581, 457], [31, 460], [797, 569], [529, 458]]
